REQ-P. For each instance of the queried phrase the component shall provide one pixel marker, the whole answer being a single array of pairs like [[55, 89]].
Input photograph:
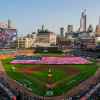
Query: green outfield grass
[[36, 81]]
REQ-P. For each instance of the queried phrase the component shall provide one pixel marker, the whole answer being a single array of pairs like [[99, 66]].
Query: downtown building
[[69, 28], [97, 32], [62, 32], [83, 21], [64, 43], [45, 38], [25, 41], [86, 37], [64, 39]]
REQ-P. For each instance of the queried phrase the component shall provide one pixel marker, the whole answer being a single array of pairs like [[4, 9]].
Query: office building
[[45, 38], [62, 32], [90, 29], [97, 31], [87, 43], [69, 28], [24, 42], [83, 21]]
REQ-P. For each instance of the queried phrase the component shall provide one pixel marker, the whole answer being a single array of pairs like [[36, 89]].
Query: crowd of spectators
[[85, 87]]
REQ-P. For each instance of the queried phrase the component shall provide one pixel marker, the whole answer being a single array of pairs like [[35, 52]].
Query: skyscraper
[[90, 29], [97, 31], [69, 28], [9, 23], [62, 32], [83, 21]]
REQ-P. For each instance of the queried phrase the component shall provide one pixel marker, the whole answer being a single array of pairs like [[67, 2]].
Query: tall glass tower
[[62, 32], [83, 21]]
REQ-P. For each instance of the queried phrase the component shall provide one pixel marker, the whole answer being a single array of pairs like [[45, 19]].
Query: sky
[[28, 15]]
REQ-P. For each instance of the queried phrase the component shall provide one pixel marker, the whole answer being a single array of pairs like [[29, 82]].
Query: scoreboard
[[7, 36]]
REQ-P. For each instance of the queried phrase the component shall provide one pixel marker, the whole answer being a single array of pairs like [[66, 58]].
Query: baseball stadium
[[48, 75]]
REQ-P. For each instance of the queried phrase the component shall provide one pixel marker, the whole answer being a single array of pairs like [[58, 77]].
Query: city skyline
[[30, 15]]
